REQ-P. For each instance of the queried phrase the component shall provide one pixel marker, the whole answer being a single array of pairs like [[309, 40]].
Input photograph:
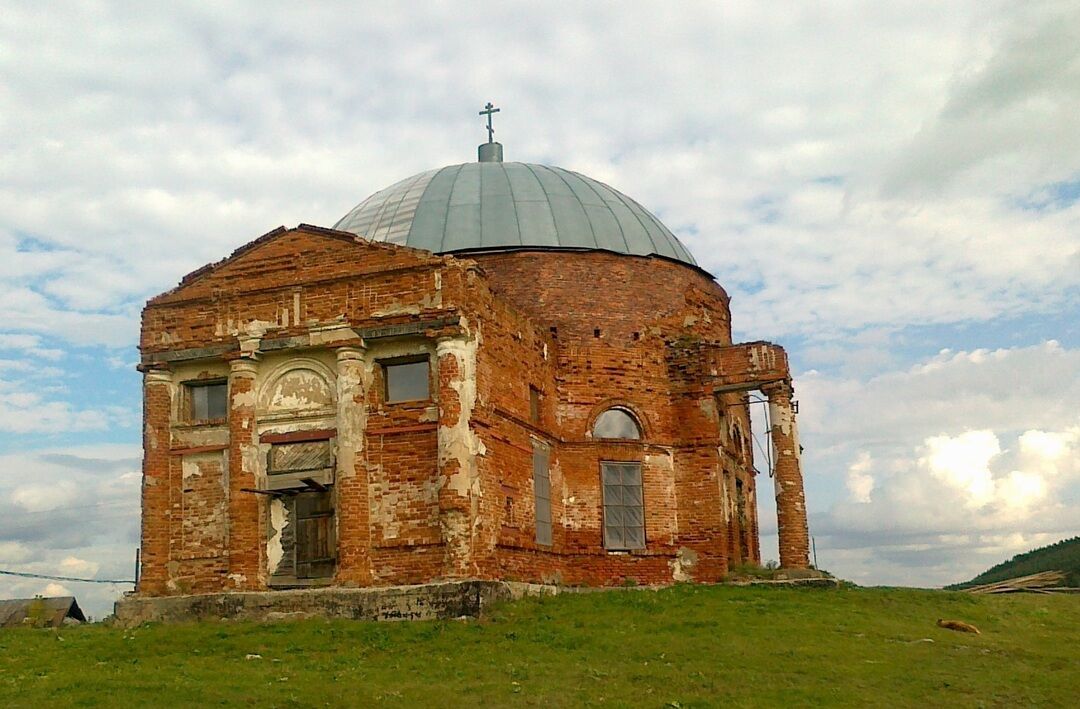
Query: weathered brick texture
[[525, 351], [156, 519], [245, 544]]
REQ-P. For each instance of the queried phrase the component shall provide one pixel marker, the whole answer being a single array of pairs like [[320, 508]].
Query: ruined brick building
[[490, 370]]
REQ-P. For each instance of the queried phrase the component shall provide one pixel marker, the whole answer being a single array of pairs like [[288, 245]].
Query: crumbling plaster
[[279, 519], [459, 441], [782, 416]]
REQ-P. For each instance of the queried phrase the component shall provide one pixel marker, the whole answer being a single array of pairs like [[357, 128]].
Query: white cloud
[[54, 589], [963, 462], [944, 509], [40, 498], [78, 517], [1004, 390], [74, 566], [1030, 78], [25, 412], [30, 344], [1022, 489], [945, 463], [33, 398], [932, 473], [917, 495], [13, 552], [860, 482]]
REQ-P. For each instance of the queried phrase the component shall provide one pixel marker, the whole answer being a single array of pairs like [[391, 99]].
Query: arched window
[[616, 423], [737, 438]]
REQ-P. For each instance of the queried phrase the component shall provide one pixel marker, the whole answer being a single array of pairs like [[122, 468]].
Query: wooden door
[[315, 543]]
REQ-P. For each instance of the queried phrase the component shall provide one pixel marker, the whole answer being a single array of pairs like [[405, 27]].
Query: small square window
[[207, 401], [407, 381]]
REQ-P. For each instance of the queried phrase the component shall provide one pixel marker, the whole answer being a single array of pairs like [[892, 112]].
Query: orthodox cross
[[488, 110]]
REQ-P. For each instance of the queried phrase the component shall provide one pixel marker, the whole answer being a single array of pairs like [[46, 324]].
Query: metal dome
[[504, 206]]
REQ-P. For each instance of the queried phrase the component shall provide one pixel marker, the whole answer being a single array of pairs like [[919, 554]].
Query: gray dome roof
[[496, 205]]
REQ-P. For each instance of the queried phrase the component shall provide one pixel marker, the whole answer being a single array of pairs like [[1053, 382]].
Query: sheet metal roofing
[[43, 612], [504, 206]]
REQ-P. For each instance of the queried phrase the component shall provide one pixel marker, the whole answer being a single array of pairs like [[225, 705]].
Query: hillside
[[1063, 556], [679, 647]]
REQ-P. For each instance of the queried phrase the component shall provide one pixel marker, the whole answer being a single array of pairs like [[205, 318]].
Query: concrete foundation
[[420, 602]]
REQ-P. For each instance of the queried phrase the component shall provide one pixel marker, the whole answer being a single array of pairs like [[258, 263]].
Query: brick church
[[491, 370]]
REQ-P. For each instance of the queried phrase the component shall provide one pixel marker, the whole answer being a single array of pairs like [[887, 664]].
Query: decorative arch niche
[[301, 385]]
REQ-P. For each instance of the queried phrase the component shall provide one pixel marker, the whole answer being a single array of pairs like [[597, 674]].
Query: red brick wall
[[290, 281], [645, 309], [581, 291], [588, 330]]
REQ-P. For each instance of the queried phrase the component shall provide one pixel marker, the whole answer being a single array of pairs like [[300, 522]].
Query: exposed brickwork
[[156, 519], [204, 505], [246, 515], [353, 480], [443, 487], [790, 498]]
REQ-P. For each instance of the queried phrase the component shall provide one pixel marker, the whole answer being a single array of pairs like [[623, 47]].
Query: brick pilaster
[[156, 515], [790, 497], [457, 463], [351, 480], [246, 542]]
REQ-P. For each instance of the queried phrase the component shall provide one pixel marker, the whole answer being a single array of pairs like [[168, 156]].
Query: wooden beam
[[312, 482]]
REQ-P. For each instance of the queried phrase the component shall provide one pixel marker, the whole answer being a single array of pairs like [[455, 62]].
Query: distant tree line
[[1063, 556]]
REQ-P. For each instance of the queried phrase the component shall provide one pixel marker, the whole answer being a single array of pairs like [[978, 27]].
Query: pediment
[[285, 257]]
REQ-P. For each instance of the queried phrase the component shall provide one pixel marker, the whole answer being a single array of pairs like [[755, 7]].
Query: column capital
[[444, 342], [778, 390], [157, 376], [350, 352], [243, 366]]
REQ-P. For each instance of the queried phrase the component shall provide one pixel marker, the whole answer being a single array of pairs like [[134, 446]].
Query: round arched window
[[616, 423]]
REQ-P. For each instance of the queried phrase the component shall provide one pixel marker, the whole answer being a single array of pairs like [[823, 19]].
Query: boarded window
[[624, 512], [542, 493], [297, 457], [616, 423], [299, 465], [207, 401], [407, 381], [315, 544]]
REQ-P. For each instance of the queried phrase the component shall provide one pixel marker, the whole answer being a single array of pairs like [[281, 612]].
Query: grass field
[[679, 647]]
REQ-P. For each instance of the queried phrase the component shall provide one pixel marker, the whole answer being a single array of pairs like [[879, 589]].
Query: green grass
[[685, 646]]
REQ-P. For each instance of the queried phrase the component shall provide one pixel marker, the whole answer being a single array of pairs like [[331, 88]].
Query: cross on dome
[[489, 109]]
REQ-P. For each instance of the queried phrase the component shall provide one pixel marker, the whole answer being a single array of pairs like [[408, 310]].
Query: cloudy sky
[[891, 190]]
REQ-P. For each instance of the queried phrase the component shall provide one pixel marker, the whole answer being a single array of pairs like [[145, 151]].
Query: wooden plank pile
[[1045, 582]]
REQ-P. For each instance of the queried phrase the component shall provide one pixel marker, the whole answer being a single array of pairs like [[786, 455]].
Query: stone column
[[247, 545], [351, 481], [459, 480], [790, 498], [156, 514]]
